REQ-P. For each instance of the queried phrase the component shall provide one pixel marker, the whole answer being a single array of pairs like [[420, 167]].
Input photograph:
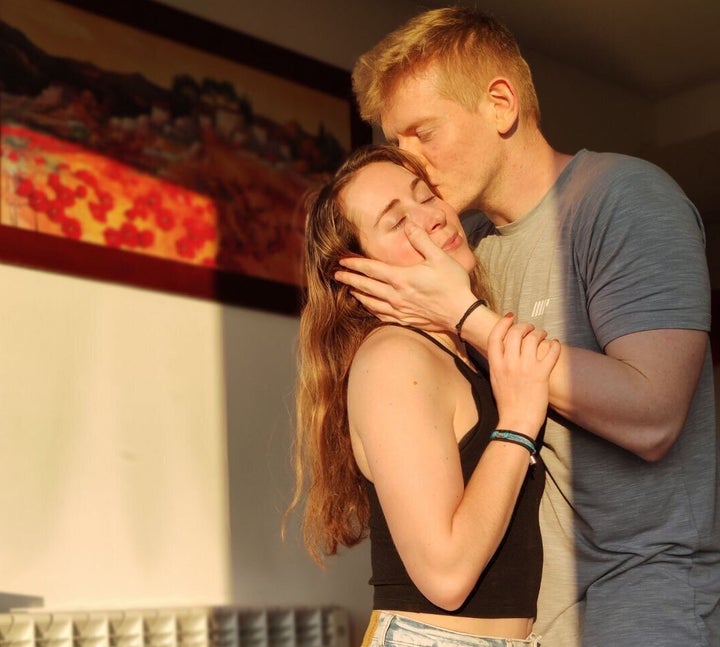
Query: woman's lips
[[452, 243]]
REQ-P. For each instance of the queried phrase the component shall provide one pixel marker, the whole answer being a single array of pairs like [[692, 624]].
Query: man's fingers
[[381, 309], [367, 266], [365, 284], [421, 241]]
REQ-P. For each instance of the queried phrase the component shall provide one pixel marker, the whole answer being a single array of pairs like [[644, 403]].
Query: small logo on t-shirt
[[539, 308]]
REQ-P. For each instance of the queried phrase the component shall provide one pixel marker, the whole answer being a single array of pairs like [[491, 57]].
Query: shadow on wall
[[259, 356]]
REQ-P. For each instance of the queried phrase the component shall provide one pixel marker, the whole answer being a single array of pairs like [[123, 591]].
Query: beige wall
[[113, 485]]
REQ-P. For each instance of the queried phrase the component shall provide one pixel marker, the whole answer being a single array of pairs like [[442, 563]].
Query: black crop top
[[509, 585]]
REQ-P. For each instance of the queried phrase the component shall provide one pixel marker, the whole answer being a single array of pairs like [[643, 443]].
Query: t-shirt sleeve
[[643, 257]]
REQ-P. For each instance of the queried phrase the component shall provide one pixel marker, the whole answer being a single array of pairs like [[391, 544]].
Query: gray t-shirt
[[632, 549]]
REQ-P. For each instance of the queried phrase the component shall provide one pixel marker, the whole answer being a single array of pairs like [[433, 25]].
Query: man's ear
[[505, 103]]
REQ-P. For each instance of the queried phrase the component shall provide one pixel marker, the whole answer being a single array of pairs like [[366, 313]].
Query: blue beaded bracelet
[[508, 436]]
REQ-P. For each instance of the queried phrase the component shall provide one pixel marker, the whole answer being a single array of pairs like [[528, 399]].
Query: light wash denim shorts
[[390, 630]]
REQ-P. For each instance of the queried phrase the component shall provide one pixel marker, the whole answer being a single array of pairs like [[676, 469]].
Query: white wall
[[113, 484], [144, 437]]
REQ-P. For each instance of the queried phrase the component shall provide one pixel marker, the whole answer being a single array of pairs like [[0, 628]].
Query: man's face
[[458, 147]]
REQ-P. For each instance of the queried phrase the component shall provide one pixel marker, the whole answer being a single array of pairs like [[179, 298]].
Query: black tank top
[[509, 585]]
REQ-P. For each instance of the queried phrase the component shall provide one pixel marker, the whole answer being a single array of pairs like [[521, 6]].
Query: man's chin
[[459, 205]]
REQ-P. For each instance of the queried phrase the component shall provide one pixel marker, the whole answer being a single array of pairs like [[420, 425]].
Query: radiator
[[225, 626]]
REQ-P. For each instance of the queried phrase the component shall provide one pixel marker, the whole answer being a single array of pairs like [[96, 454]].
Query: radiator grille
[[190, 627]]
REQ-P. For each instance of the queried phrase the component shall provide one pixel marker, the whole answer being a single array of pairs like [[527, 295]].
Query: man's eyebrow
[[395, 201]]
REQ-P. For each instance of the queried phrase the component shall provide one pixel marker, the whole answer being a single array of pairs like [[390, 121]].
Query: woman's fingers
[[496, 338], [509, 340]]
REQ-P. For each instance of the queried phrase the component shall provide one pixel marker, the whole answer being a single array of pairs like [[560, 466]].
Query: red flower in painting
[[165, 219], [87, 177], [136, 211], [64, 190], [199, 230], [38, 201], [71, 228], [153, 199], [56, 211], [54, 180], [185, 247], [65, 195], [129, 236], [98, 212], [146, 238], [106, 200], [112, 237], [24, 187]]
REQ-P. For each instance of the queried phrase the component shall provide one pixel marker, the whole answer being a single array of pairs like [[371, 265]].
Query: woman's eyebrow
[[395, 201]]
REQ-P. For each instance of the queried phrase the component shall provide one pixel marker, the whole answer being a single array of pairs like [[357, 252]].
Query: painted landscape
[[189, 173]]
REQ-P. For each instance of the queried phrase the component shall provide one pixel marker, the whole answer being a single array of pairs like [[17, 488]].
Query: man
[[607, 254]]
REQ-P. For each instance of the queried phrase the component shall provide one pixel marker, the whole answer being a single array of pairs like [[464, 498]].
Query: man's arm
[[636, 395]]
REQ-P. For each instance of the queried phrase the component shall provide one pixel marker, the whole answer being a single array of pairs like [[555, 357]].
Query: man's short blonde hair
[[469, 47]]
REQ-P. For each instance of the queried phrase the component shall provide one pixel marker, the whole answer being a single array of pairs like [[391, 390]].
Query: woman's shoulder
[[399, 377], [398, 350], [392, 340]]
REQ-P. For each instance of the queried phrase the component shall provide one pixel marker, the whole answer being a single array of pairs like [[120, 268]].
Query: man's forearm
[[637, 399]]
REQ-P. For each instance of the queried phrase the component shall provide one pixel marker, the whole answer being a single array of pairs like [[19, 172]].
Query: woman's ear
[[505, 103]]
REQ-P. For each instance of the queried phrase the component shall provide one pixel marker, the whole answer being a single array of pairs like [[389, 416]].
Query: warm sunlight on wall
[[113, 487]]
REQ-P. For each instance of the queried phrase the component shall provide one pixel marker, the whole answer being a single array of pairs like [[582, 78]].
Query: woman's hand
[[521, 359]]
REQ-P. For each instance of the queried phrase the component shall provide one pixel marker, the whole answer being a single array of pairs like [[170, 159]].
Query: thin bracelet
[[515, 437], [468, 312]]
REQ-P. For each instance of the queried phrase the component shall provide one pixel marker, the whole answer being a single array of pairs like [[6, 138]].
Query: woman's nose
[[430, 217]]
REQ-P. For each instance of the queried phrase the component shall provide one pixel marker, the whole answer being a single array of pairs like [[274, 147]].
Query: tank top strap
[[427, 336]]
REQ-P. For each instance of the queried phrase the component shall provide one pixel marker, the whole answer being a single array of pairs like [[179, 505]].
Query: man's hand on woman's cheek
[[429, 295]]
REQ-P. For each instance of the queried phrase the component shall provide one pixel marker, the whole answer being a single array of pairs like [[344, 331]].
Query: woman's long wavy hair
[[333, 324]]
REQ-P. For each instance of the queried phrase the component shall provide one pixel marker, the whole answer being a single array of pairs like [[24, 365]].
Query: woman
[[398, 435]]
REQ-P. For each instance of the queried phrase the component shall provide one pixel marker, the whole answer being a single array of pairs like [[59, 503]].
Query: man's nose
[[412, 146]]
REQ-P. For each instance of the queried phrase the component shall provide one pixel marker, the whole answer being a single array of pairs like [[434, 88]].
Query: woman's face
[[382, 197]]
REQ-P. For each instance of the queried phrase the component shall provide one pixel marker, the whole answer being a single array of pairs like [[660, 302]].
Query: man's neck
[[529, 172]]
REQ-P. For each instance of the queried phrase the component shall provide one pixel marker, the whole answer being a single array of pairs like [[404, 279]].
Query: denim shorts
[[390, 630]]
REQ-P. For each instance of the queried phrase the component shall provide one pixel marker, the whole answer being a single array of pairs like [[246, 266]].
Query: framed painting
[[145, 146]]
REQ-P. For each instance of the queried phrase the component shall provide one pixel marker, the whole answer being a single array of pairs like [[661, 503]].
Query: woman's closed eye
[[399, 223], [423, 193]]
